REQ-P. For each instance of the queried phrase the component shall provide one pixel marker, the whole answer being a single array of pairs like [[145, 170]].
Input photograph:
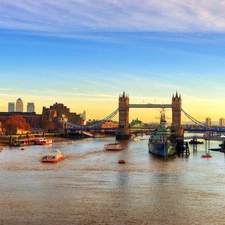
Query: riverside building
[[208, 121], [221, 122], [58, 112]]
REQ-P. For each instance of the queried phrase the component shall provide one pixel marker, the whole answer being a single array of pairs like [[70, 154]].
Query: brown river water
[[90, 187]]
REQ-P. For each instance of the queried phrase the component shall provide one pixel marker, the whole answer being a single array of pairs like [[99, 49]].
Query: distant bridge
[[206, 129], [202, 126], [97, 125]]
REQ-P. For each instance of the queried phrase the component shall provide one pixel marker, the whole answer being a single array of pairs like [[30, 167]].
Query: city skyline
[[31, 106], [18, 106], [85, 54]]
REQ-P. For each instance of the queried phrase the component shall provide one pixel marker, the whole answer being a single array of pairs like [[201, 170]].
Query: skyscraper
[[221, 122], [30, 107], [208, 121], [19, 105], [11, 107]]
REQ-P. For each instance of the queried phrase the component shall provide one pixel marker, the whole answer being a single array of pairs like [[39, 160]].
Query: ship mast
[[163, 117]]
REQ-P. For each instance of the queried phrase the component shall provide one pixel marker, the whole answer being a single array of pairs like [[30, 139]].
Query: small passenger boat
[[23, 142], [43, 141], [215, 149], [196, 142], [114, 147], [53, 157]]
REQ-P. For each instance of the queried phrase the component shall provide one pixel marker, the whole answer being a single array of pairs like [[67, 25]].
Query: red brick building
[[32, 119], [60, 113]]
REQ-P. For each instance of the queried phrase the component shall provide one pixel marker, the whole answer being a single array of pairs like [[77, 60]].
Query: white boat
[[135, 138], [113, 147], [53, 157]]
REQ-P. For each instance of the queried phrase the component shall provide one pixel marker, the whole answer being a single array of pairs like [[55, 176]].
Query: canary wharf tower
[[19, 105]]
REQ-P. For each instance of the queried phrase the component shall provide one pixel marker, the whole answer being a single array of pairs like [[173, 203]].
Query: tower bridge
[[123, 131]]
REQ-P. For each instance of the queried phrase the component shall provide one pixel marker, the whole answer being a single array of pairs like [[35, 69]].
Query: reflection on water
[[90, 187]]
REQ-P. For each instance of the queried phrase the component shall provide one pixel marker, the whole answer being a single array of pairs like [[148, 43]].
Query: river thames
[[90, 187]]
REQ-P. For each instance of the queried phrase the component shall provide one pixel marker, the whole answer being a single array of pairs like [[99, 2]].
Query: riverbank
[[5, 140]]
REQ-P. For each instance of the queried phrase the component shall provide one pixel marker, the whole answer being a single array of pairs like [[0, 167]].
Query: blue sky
[[85, 53]]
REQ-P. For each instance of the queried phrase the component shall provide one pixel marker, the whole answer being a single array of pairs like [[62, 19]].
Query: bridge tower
[[123, 130], [176, 115]]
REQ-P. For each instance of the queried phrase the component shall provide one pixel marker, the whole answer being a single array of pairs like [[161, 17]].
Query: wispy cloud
[[71, 16]]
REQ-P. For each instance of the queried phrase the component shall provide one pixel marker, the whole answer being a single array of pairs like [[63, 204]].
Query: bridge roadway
[[149, 105], [205, 129]]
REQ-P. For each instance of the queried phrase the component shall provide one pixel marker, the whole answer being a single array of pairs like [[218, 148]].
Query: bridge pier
[[195, 147], [207, 146], [194, 144], [123, 134], [182, 148]]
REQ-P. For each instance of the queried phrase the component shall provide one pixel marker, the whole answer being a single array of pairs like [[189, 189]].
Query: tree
[[2, 124], [14, 123]]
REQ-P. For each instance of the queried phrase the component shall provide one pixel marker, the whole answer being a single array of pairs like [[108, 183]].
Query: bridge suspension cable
[[193, 119], [97, 124], [109, 117]]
